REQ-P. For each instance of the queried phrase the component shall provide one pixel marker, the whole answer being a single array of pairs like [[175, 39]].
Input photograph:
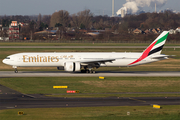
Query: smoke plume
[[132, 6]]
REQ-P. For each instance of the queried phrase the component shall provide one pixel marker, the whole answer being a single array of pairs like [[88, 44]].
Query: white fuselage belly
[[58, 59]]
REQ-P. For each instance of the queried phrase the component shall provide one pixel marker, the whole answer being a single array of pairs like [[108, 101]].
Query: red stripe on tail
[[145, 53]]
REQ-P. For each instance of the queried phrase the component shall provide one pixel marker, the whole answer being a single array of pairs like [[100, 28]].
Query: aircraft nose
[[4, 61]]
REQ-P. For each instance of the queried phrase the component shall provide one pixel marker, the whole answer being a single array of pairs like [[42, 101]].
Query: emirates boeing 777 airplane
[[89, 61]]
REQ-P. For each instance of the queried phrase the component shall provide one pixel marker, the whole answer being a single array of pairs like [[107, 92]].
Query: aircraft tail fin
[[157, 45], [154, 48]]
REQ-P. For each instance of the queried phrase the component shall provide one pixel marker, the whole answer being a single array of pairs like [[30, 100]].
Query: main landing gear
[[88, 70]]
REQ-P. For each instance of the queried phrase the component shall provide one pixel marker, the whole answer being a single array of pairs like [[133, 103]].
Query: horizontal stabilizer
[[162, 56]]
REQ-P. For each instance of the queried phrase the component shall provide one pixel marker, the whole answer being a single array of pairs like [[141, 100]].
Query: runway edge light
[[60, 86]]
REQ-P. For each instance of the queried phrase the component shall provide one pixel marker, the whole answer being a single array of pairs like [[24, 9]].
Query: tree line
[[87, 20]]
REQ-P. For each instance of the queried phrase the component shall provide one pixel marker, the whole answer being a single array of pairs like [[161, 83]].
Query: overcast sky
[[47, 7]]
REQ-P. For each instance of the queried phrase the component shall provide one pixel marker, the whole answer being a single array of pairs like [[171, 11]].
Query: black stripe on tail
[[156, 50]]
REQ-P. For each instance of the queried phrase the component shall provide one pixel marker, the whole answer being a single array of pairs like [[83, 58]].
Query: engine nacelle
[[72, 66]]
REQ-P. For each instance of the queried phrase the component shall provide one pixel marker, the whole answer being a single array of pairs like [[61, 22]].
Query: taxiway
[[78, 74], [10, 99]]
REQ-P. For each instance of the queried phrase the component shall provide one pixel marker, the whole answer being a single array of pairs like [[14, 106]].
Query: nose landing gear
[[15, 67], [16, 71]]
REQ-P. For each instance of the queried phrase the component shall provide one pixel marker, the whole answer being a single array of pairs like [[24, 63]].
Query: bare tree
[[61, 17], [25, 32], [61, 20], [82, 18], [46, 19], [5, 32], [99, 25], [54, 19]]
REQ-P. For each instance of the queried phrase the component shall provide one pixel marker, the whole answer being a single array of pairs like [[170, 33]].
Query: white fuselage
[[56, 59]]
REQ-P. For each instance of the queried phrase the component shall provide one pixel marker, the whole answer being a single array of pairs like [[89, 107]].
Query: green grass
[[169, 112], [113, 95], [94, 87]]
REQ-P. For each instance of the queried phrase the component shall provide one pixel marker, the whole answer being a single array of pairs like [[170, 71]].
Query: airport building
[[13, 30], [4, 33]]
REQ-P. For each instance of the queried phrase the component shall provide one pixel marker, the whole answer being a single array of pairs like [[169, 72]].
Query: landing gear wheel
[[16, 71], [94, 71], [83, 71]]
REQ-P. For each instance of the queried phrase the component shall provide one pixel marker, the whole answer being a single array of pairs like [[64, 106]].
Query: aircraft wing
[[96, 61]]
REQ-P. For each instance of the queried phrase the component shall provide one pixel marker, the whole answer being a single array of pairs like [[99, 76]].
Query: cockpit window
[[7, 57]]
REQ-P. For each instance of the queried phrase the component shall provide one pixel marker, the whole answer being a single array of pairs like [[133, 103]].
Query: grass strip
[[93, 86], [113, 95], [168, 112]]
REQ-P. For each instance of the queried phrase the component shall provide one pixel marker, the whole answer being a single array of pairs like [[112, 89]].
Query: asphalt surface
[[78, 74], [10, 99], [83, 46]]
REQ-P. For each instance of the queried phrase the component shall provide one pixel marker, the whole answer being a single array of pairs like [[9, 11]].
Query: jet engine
[[72, 66]]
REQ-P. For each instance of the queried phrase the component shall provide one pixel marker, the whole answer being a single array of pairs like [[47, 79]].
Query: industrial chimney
[[112, 8]]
